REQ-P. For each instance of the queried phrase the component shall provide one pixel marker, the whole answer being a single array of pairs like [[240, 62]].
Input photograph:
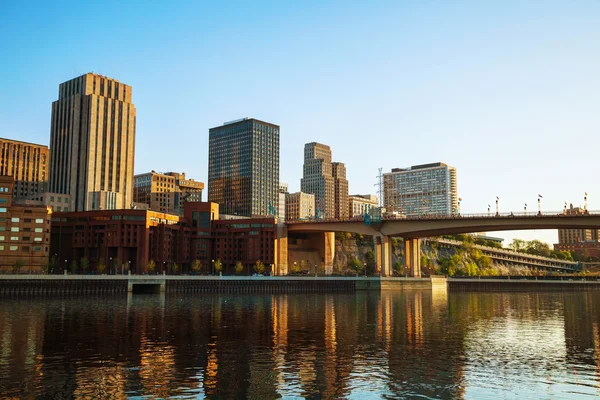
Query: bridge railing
[[490, 215]]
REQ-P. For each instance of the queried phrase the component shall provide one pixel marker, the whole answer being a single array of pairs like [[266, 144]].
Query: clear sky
[[506, 91]]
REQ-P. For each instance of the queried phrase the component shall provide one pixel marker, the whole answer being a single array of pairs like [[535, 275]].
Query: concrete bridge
[[413, 229]]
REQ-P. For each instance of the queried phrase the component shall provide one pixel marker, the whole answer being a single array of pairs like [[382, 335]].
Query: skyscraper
[[326, 180], [243, 167], [92, 143], [428, 189], [27, 163], [340, 190]]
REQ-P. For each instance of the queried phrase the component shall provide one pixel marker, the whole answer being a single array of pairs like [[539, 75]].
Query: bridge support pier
[[383, 254], [412, 257]]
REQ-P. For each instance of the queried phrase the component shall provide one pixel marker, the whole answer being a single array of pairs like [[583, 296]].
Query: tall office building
[[92, 143], [27, 163], [340, 190], [428, 189], [243, 167], [326, 180], [283, 190], [166, 192]]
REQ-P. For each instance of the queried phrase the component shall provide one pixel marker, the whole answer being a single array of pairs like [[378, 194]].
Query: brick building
[[128, 239], [27, 163], [24, 232]]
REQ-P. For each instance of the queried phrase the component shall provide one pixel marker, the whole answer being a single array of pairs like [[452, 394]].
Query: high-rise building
[[243, 167], [24, 232], [428, 189], [299, 205], [27, 163], [283, 190], [340, 190], [92, 143], [166, 192], [361, 204], [326, 180]]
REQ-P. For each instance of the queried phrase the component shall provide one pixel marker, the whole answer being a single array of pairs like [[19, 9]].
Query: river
[[405, 344]]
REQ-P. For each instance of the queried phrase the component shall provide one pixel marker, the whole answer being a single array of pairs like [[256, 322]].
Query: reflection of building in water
[[414, 316], [331, 375], [157, 367], [384, 316], [280, 336], [100, 382], [212, 369]]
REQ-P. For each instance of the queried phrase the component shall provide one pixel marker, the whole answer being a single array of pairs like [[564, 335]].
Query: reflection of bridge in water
[[414, 229]]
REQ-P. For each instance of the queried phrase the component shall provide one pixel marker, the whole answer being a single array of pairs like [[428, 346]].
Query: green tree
[[399, 267], [19, 263], [196, 266], [538, 248], [370, 259], [472, 269], [101, 266], [239, 267], [151, 267], [295, 268], [218, 266], [259, 267], [518, 245], [84, 263], [355, 266], [73, 267]]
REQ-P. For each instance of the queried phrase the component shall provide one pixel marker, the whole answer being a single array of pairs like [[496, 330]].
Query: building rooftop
[[20, 141], [420, 166]]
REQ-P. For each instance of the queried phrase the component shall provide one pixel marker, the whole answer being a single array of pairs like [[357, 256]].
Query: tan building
[[361, 204], [283, 191], [299, 205], [166, 192], [27, 163], [92, 143], [340, 190], [326, 180], [571, 236], [24, 232]]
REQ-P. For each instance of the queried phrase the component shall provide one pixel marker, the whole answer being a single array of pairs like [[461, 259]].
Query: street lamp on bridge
[[584, 201], [497, 199], [525, 209], [539, 204]]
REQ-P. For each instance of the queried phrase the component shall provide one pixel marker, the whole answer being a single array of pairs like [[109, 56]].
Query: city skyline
[[504, 126]]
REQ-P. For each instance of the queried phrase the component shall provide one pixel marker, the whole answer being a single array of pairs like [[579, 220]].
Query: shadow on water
[[363, 345]]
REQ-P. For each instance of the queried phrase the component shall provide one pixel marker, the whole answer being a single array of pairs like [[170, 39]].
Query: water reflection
[[363, 345]]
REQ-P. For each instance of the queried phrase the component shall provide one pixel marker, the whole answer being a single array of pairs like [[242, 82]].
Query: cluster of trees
[[538, 248], [197, 267]]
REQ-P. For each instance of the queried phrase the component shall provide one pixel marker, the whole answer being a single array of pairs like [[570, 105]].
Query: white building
[[361, 204], [428, 189], [299, 205]]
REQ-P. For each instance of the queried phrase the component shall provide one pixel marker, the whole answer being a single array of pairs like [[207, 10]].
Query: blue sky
[[506, 91]]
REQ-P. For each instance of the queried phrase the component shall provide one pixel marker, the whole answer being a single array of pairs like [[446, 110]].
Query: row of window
[[24, 249], [25, 238], [16, 219]]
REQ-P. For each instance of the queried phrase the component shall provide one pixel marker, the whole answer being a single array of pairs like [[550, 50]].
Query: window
[[37, 248], [37, 239], [2, 237], [14, 229], [1, 247], [39, 230], [13, 248], [26, 238], [25, 249], [60, 199], [39, 221], [14, 238], [14, 219], [2, 209]]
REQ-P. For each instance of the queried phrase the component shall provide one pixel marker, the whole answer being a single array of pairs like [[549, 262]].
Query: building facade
[[584, 242], [243, 167], [428, 189], [340, 190], [27, 163], [92, 143], [24, 232], [283, 190], [326, 180], [361, 204], [299, 205], [132, 240], [166, 192]]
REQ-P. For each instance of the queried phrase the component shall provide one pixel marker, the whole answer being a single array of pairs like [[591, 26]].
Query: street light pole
[[213, 267], [497, 199]]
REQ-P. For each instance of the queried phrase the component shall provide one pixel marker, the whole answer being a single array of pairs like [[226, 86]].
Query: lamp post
[[66, 267], [497, 199], [129, 267], [459, 200], [539, 204], [525, 209], [213, 267], [489, 210], [585, 196], [565, 209], [365, 268], [110, 265], [163, 268]]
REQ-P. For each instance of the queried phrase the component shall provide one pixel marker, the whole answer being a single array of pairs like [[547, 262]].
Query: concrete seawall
[[520, 285], [11, 285]]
